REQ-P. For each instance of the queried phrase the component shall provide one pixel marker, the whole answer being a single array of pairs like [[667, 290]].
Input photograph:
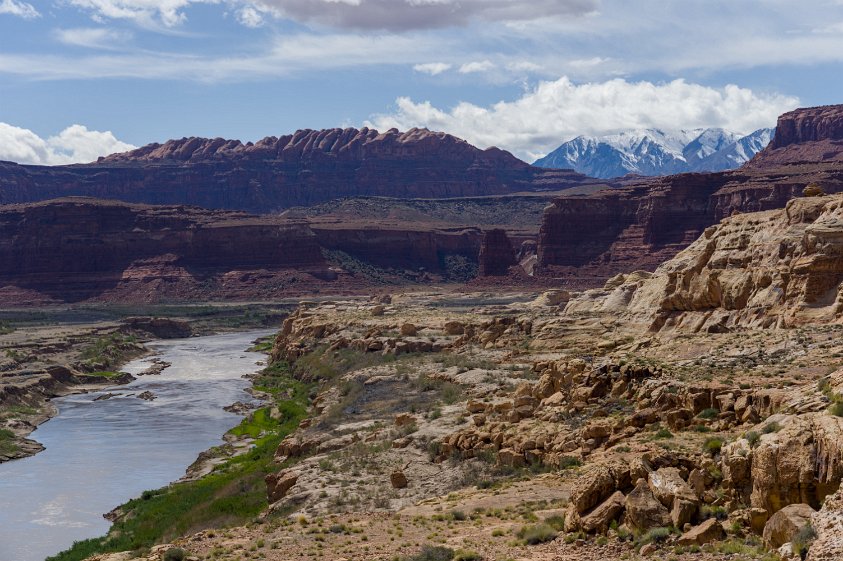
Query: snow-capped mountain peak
[[657, 152]]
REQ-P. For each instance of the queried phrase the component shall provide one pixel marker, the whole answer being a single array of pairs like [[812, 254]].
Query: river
[[100, 454]]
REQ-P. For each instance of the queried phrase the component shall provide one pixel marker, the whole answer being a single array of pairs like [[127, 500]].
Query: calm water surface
[[101, 454]]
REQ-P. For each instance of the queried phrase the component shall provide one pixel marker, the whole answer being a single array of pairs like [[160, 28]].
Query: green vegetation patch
[[7, 442], [234, 493]]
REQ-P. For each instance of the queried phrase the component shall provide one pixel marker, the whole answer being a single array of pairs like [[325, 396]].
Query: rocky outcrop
[[801, 462], [774, 268], [496, 254], [301, 169], [827, 523], [587, 239]]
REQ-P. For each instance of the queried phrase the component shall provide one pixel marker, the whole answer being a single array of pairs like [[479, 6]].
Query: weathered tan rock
[[408, 330], [595, 483], [828, 524], [643, 510], [709, 531], [667, 484], [277, 484], [601, 516], [783, 525]]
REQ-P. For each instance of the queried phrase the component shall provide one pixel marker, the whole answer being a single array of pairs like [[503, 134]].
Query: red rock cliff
[[301, 169]]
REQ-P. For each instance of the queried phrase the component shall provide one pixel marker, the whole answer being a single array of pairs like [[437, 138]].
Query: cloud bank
[[20, 9], [556, 111], [75, 144], [402, 15]]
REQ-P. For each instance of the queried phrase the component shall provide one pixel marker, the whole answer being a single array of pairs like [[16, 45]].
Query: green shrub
[[458, 515], [802, 540], [174, 554], [663, 433], [465, 555], [535, 534], [556, 522], [836, 409], [568, 462], [753, 438], [713, 445], [653, 535], [710, 413], [771, 427]]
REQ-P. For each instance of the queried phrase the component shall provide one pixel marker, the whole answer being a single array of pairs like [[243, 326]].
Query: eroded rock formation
[[782, 267]]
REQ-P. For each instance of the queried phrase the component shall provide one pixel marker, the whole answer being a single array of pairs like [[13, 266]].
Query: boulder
[[277, 484], [409, 330], [599, 519], [643, 510], [595, 483], [783, 525], [709, 531]]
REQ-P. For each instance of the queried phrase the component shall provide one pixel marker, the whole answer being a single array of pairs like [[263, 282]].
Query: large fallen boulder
[[783, 526], [643, 510], [709, 531]]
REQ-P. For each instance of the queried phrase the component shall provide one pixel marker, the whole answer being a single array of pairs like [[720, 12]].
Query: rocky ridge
[[305, 168]]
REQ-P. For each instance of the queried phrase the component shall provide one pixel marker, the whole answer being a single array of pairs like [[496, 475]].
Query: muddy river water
[[101, 453]]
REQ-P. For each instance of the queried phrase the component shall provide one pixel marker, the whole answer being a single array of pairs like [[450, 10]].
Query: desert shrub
[[556, 522], [536, 534], [836, 409], [465, 555], [653, 535], [174, 554], [568, 462], [709, 413], [753, 438], [803, 538], [458, 515], [713, 445], [663, 433], [432, 553], [771, 427]]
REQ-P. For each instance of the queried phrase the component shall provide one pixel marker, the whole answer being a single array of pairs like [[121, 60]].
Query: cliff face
[[589, 239], [301, 169], [78, 249], [496, 254], [775, 268]]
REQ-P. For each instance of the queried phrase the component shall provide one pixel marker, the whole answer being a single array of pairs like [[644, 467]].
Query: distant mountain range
[[656, 152]]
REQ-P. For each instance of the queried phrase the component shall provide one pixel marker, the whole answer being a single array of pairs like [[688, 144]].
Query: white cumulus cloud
[[20, 9], [75, 144], [432, 68], [477, 66], [556, 111]]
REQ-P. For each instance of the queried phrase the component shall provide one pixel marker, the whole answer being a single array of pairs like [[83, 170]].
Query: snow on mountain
[[657, 152]]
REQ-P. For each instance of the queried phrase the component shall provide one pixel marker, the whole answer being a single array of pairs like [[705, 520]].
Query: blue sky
[[81, 78]]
